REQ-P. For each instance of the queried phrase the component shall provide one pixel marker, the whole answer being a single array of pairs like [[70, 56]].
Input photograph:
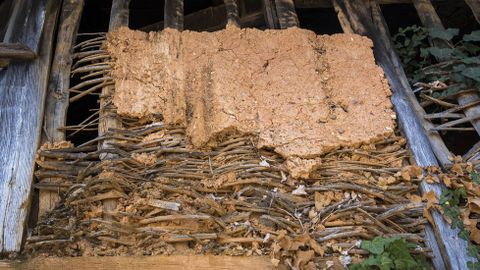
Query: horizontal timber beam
[[211, 19], [328, 3], [16, 51], [145, 263]]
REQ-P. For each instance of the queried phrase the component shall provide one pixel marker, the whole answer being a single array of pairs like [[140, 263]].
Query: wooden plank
[[211, 19], [176, 262], [270, 14], [430, 19], [22, 95], [475, 7], [16, 51], [173, 14], [6, 8], [57, 102], [360, 20], [232, 12], [119, 16], [287, 16]]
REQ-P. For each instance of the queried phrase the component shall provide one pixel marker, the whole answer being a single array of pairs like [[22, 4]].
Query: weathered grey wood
[[211, 19], [119, 14], [173, 14], [436, 142], [430, 19], [16, 51], [232, 12], [56, 104], [287, 16], [475, 7], [59, 81], [119, 17], [465, 99], [359, 16], [270, 14], [6, 9], [22, 95]]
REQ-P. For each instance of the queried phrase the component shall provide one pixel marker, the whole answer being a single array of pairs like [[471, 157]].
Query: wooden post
[[360, 20], [22, 94], [429, 18], [232, 12], [286, 13], [173, 14], [475, 7], [57, 103], [119, 16], [270, 14]]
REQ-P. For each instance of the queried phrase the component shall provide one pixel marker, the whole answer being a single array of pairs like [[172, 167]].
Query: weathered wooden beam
[[22, 95], [475, 7], [328, 3], [174, 262], [211, 19], [361, 20], [56, 104], [16, 51], [6, 8], [232, 12], [119, 16], [173, 14], [287, 16], [430, 19], [270, 14]]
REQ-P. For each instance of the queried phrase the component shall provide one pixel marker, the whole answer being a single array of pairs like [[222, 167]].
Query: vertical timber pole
[[119, 16]]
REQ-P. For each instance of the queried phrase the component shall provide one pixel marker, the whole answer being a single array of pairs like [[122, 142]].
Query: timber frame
[[27, 85]]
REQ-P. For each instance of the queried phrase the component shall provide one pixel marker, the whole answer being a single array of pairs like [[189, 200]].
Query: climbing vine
[[452, 64]]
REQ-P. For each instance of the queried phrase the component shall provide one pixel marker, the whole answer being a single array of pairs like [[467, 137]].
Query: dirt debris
[[301, 94]]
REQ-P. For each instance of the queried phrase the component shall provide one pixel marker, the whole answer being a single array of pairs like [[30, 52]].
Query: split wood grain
[[22, 94]]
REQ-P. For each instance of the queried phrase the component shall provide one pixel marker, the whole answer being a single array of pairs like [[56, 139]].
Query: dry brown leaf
[[317, 247], [471, 226], [447, 181], [457, 169], [303, 257], [474, 205], [323, 199], [414, 198], [430, 197]]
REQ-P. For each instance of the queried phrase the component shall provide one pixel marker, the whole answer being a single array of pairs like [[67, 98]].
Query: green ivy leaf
[[471, 60], [441, 53], [474, 36], [446, 34], [475, 177], [376, 246], [472, 73], [470, 47], [385, 262]]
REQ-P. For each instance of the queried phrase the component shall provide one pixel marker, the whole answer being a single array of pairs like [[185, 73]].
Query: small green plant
[[456, 64], [451, 201], [390, 253]]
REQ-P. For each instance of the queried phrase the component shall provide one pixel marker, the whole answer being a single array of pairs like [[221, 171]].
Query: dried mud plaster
[[301, 94]]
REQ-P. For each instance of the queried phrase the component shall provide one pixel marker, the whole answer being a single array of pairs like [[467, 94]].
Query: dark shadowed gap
[[322, 21], [145, 12], [95, 18]]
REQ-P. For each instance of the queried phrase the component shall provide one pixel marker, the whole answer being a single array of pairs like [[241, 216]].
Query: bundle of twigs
[[231, 199]]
